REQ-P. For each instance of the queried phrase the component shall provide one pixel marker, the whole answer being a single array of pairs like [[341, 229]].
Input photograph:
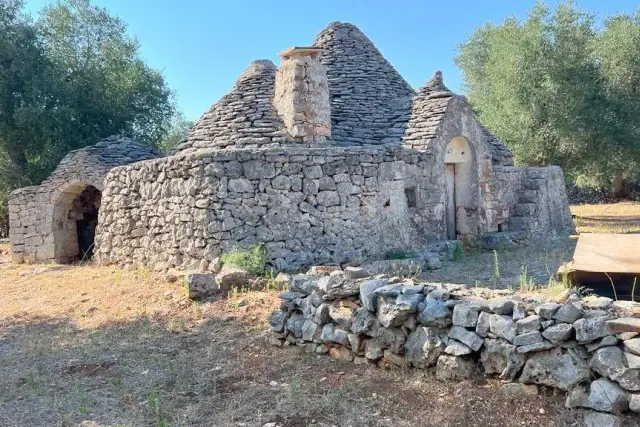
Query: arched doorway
[[461, 186], [75, 217]]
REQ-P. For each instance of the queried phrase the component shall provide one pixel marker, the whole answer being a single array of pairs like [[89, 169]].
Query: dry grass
[[622, 217], [100, 346]]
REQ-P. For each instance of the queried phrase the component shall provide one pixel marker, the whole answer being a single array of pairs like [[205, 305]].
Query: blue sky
[[202, 46]]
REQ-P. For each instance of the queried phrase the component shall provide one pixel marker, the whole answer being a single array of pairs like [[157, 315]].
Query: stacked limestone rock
[[389, 321]]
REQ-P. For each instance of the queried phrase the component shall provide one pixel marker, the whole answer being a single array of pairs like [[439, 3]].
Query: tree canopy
[[559, 88], [67, 79]]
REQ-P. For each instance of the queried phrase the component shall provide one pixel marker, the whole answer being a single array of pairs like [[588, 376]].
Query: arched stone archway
[[74, 220], [461, 177]]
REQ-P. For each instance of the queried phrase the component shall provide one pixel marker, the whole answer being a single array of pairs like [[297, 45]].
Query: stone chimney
[[302, 94]]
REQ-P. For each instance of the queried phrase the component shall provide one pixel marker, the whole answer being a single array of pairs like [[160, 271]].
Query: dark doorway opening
[[85, 209]]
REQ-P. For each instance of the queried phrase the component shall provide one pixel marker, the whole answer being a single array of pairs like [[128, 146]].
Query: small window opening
[[500, 227], [387, 203], [410, 194]]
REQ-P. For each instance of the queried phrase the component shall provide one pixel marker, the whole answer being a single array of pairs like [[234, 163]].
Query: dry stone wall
[[308, 206], [588, 348]]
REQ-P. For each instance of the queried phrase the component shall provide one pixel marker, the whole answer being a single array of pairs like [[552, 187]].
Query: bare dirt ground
[[100, 346]]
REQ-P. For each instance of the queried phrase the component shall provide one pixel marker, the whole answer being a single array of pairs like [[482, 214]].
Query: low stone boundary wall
[[588, 348]]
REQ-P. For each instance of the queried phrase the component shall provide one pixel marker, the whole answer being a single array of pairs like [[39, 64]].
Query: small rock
[[408, 289], [604, 342], [368, 298], [607, 397], [435, 314], [454, 368], [341, 353], [591, 329], [484, 324], [363, 321], [394, 359], [519, 312], [598, 303], [503, 327], [633, 361], [528, 324], [568, 313], [277, 321], [354, 273], [468, 338], [201, 285], [431, 261], [558, 333], [300, 283], [464, 315], [500, 357], [456, 348], [528, 338], [633, 346], [546, 311], [391, 290], [554, 369], [608, 362], [625, 324], [373, 349], [391, 338], [232, 277], [599, 419], [634, 402], [501, 305], [423, 347], [544, 345]]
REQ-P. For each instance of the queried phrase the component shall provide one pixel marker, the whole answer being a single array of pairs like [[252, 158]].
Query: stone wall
[[42, 225], [308, 206], [588, 348]]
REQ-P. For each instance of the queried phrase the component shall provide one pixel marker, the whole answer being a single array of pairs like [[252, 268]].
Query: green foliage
[[399, 254], [458, 251], [496, 265], [177, 132], [156, 409], [526, 282], [67, 80], [253, 260], [559, 89]]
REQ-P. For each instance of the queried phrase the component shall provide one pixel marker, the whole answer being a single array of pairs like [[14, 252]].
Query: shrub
[[253, 260], [399, 254]]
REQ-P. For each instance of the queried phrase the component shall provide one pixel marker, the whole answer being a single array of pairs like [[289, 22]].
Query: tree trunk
[[619, 187]]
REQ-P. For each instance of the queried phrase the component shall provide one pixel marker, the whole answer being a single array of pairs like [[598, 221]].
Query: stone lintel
[[300, 50]]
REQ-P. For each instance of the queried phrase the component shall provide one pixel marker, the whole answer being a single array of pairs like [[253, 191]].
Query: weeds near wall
[[399, 254], [458, 251], [527, 283], [253, 260], [496, 265]]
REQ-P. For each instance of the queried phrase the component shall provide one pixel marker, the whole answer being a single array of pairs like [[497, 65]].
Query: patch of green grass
[[253, 260], [399, 254], [156, 410]]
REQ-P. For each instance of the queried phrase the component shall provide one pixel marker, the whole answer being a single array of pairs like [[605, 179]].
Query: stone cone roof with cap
[[370, 101]]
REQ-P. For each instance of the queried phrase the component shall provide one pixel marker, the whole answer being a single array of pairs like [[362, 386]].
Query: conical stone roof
[[370, 101], [244, 117], [427, 112]]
